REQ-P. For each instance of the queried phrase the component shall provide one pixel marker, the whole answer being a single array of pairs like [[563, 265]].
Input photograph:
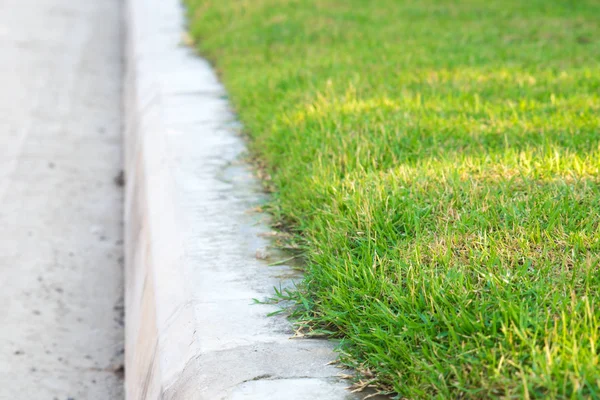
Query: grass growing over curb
[[440, 160]]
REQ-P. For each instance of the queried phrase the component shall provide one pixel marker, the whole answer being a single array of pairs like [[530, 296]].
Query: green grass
[[440, 161]]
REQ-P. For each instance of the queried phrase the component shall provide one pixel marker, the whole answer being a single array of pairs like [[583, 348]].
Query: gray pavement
[[61, 333]]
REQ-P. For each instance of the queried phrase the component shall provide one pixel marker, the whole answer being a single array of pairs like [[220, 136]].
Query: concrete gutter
[[192, 331]]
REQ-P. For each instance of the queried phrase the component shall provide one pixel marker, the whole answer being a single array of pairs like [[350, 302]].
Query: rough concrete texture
[[192, 273], [61, 334]]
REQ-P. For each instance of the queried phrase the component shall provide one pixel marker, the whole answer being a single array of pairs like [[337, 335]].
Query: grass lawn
[[440, 162]]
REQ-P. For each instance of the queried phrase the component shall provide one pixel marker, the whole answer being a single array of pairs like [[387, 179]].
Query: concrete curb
[[190, 244]]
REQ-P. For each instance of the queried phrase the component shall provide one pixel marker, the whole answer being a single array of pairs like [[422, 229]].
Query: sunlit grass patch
[[439, 164]]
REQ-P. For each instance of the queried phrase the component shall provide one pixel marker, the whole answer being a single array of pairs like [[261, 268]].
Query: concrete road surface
[[61, 333]]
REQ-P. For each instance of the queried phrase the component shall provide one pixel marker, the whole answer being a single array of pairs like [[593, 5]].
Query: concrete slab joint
[[190, 243]]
